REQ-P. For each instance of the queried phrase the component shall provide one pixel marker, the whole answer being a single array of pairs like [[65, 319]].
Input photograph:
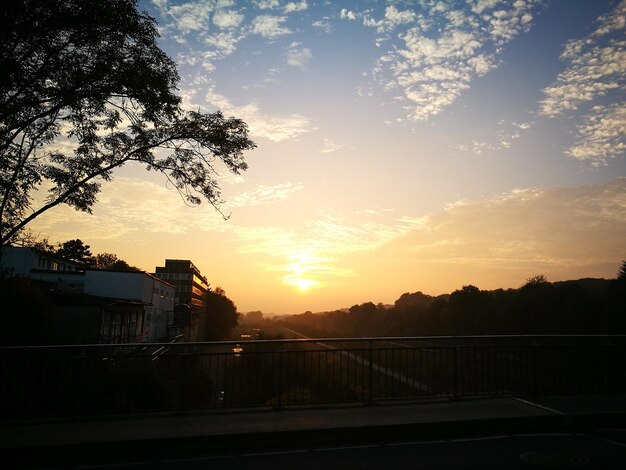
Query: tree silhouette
[[536, 280], [111, 261], [84, 90], [621, 274], [75, 250], [221, 315]]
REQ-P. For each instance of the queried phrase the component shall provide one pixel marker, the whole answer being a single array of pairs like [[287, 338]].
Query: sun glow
[[300, 270], [304, 284]]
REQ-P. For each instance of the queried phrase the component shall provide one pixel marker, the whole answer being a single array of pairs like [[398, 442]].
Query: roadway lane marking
[[476, 439], [415, 443], [331, 449], [537, 405], [483, 438], [283, 452], [114, 465], [608, 440], [198, 459], [383, 370]]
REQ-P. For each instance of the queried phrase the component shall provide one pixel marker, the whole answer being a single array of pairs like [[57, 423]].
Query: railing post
[[534, 368], [608, 379], [279, 383], [455, 373], [370, 374], [185, 380]]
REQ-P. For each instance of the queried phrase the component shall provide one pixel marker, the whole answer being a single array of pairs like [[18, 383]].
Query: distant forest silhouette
[[585, 306]]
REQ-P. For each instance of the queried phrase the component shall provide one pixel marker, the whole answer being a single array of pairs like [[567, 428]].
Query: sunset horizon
[[401, 147]]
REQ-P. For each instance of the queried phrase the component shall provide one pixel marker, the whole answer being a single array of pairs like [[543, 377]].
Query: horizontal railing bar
[[305, 340]]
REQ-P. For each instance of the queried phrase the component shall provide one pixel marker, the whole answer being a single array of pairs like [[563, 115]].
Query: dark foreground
[[503, 433]]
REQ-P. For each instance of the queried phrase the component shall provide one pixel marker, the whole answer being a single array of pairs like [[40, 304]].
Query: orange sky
[[401, 147]]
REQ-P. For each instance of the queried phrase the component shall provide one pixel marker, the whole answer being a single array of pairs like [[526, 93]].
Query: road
[[599, 450], [403, 379]]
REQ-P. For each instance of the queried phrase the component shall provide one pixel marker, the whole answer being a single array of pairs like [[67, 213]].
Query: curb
[[228, 444]]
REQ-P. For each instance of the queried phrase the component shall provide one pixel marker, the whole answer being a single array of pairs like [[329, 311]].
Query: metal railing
[[79, 380]]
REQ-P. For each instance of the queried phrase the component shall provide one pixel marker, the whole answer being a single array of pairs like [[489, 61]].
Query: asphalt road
[[605, 449]]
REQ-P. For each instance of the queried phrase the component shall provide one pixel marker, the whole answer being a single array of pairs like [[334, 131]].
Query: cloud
[[264, 195], [597, 65], [393, 18], [347, 14], [506, 24], [269, 26], [220, 45], [596, 69], [129, 205], [555, 231], [560, 232], [299, 57], [311, 256], [443, 49], [295, 6], [506, 133], [330, 146], [266, 4], [323, 24], [593, 73], [477, 147], [602, 135], [327, 235], [227, 19], [187, 17], [274, 128], [548, 229], [224, 43]]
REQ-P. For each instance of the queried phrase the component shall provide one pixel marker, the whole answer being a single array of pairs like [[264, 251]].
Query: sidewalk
[[228, 430]]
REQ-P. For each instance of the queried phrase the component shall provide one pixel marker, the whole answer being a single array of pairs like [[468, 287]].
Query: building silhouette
[[93, 305], [191, 287]]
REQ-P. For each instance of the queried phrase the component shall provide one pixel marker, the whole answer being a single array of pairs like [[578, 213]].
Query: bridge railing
[[79, 380]]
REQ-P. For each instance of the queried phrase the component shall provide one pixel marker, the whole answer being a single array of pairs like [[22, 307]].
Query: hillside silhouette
[[584, 306]]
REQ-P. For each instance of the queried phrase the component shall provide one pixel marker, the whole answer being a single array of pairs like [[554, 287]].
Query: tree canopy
[[221, 315], [75, 250], [84, 90]]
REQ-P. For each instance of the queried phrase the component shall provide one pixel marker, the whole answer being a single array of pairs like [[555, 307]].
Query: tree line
[[586, 306]]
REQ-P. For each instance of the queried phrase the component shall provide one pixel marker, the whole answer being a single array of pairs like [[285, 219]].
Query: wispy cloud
[[550, 228], [298, 56], [346, 14], [227, 19], [274, 128], [269, 26], [186, 17], [323, 24], [311, 256], [393, 18], [597, 64], [596, 69], [330, 146], [266, 4], [502, 139], [292, 7], [127, 206], [443, 48], [602, 136], [264, 195]]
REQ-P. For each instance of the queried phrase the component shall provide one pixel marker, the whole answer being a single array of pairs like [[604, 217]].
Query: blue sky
[[402, 146]]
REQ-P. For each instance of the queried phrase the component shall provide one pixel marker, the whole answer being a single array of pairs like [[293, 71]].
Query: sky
[[402, 146]]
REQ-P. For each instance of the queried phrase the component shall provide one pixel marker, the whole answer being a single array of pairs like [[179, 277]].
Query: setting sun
[[304, 284], [300, 268]]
